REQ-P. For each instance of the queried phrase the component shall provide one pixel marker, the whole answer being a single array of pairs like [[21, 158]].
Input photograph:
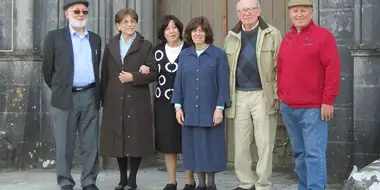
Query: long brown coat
[[127, 123]]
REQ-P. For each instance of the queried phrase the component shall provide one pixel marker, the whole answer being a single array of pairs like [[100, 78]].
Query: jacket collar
[[114, 46], [238, 27]]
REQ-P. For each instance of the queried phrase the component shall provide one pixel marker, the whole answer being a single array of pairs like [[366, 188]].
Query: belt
[[83, 88]]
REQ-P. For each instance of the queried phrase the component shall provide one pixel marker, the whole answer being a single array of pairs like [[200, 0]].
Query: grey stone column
[[20, 88], [366, 54], [337, 16], [23, 27], [366, 104]]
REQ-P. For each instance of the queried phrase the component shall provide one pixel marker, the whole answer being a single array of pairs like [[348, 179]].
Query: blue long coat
[[202, 84]]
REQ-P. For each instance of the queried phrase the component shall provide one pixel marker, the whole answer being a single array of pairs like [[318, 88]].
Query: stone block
[[370, 22], [340, 22], [340, 127], [6, 25], [339, 160], [336, 4]]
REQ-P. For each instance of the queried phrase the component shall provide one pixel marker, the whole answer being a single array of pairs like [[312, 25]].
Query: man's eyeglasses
[[77, 12], [247, 10]]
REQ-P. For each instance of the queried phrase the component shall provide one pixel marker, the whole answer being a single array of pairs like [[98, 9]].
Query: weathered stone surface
[[147, 179], [6, 28], [370, 22], [26, 133], [337, 16], [366, 104]]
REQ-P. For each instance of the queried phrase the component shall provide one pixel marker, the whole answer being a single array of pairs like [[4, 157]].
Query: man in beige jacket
[[252, 47]]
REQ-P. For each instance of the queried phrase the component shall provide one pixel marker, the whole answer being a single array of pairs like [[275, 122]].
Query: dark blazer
[[127, 122], [58, 66]]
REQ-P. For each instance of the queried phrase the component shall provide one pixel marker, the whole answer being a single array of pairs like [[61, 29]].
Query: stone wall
[[26, 138], [337, 16], [353, 133]]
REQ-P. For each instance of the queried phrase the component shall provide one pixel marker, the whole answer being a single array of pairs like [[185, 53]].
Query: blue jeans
[[308, 136]]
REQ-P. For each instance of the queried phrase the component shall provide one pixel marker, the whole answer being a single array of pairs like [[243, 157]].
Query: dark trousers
[[81, 117]]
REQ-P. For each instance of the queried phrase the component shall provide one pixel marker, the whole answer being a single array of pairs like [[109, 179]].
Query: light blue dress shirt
[[83, 63], [124, 47]]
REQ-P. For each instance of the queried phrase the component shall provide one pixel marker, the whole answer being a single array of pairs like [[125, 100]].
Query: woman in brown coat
[[126, 130]]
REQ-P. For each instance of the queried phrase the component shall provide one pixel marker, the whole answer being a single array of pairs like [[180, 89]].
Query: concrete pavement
[[148, 179]]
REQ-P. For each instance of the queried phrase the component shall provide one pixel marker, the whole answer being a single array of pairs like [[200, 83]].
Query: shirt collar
[[193, 51], [129, 41], [74, 33], [242, 27]]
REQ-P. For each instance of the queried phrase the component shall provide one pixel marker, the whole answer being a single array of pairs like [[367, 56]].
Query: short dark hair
[[204, 24], [165, 22], [124, 12]]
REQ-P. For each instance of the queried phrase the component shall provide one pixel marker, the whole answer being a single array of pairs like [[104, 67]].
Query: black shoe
[[189, 187], [170, 187], [211, 187], [67, 187], [239, 188], [119, 187], [201, 188], [130, 187], [91, 187]]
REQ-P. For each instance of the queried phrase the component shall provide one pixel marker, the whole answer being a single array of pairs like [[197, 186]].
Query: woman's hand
[[125, 77], [218, 116], [179, 116], [144, 69]]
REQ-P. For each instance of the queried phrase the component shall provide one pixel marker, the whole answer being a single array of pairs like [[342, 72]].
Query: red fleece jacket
[[308, 68]]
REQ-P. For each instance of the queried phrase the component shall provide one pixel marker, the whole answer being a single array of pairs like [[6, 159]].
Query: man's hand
[[218, 116], [125, 77], [327, 112], [179, 116], [144, 69], [276, 104]]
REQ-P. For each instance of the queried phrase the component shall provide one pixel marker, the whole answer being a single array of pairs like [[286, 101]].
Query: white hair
[[257, 3]]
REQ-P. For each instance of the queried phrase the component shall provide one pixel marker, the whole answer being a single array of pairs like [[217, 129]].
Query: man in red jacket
[[308, 72]]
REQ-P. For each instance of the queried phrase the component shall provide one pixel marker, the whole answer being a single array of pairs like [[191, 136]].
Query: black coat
[[127, 123], [58, 66]]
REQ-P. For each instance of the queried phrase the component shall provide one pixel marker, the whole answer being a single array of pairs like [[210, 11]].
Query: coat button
[[129, 116], [196, 105]]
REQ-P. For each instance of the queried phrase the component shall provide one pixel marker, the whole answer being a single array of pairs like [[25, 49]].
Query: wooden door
[[222, 15]]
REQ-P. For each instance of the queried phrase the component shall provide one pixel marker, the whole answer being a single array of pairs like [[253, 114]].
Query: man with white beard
[[71, 70]]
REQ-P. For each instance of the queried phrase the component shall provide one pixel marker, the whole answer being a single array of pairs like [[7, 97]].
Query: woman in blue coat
[[201, 92]]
